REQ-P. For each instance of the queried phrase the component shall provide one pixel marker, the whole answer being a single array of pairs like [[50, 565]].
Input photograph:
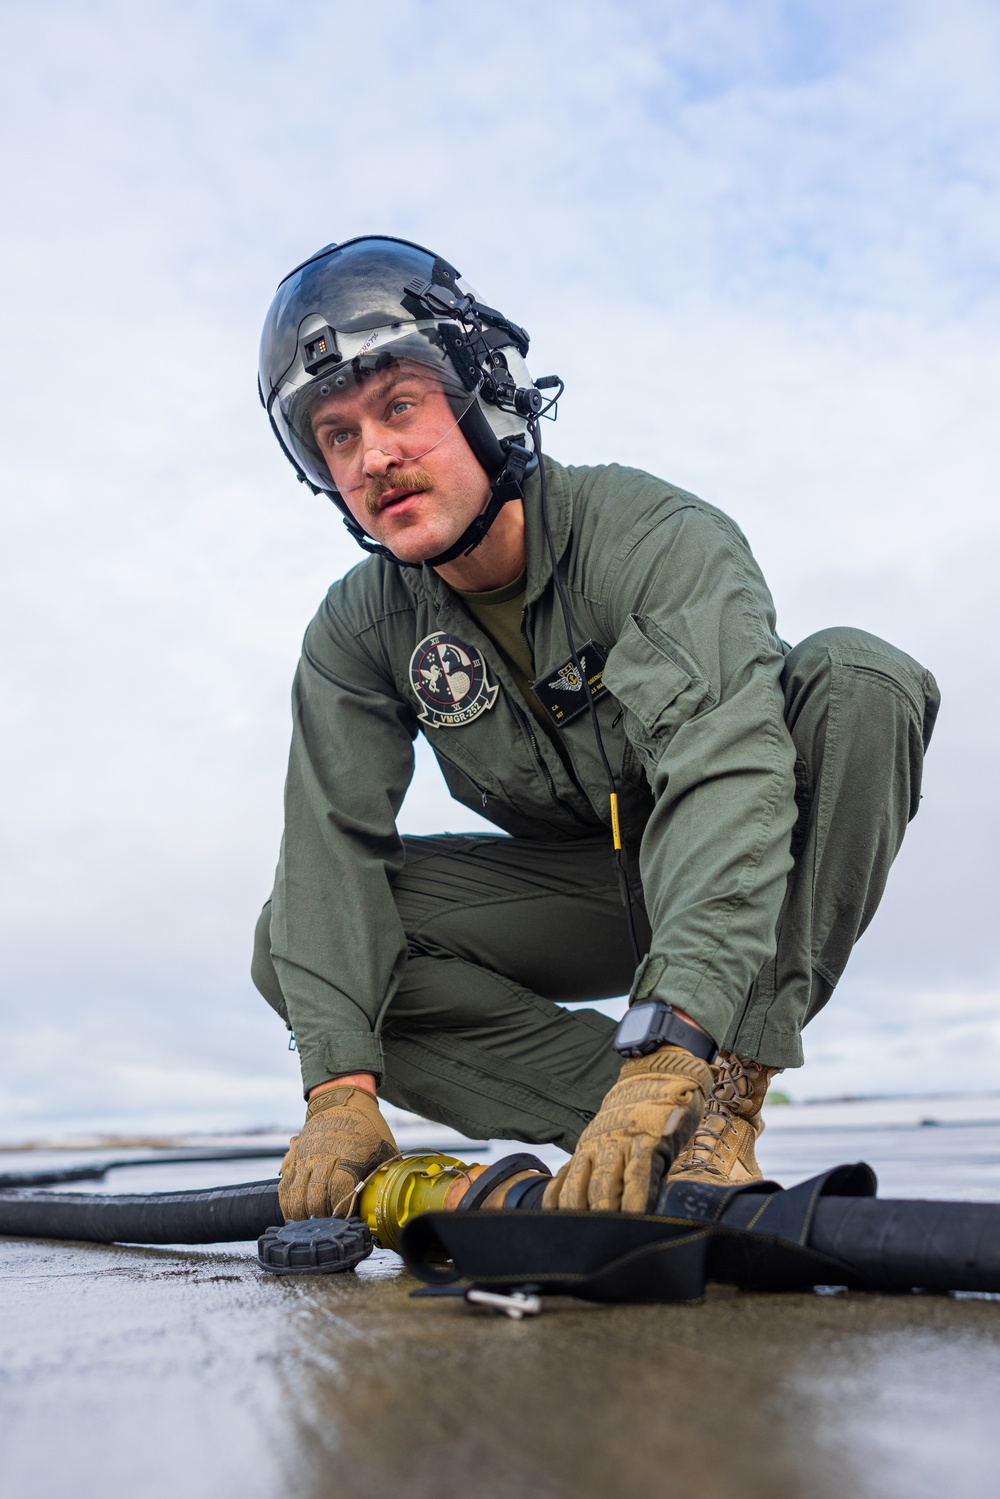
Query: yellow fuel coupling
[[400, 1190]]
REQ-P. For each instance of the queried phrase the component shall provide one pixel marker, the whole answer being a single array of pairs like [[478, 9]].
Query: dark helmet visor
[[351, 288]]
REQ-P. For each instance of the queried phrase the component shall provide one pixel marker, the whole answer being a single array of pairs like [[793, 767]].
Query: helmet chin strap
[[509, 486]]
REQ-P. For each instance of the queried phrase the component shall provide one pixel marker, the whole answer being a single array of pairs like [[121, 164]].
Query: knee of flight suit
[[261, 966], [809, 667]]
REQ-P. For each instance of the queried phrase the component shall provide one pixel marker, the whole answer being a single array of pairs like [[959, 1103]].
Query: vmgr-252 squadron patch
[[449, 677]]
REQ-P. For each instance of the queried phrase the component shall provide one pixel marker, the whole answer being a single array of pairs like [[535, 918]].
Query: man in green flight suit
[[593, 657]]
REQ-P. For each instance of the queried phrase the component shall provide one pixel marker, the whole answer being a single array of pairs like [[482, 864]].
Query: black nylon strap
[[495, 1175], [527, 1193], [789, 1215], [607, 1256], [754, 1237], [507, 487]]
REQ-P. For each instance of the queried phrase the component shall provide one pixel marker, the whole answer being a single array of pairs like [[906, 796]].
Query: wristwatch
[[647, 1026]]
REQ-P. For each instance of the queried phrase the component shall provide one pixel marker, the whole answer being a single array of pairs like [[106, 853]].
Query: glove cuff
[[336, 1098], [675, 1060]]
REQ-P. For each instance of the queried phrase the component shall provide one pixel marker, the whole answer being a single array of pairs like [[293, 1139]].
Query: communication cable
[[619, 855]]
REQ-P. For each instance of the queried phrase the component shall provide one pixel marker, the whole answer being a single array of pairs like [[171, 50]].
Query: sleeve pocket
[[657, 684]]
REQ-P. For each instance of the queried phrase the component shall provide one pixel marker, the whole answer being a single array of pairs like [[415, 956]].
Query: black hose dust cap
[[315, 1246]]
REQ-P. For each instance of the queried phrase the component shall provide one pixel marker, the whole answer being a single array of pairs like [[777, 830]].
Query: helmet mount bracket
[[320, 350]]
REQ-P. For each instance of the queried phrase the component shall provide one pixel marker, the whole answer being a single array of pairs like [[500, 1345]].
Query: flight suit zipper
[[535, 747], [525, 722]]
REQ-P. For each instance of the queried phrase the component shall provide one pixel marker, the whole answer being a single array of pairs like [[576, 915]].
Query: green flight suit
[[764, 794]]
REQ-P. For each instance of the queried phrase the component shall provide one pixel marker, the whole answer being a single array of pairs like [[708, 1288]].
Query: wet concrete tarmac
[[156, 1373]]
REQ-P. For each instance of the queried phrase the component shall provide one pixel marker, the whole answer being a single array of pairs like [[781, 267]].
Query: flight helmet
[[357, 310]]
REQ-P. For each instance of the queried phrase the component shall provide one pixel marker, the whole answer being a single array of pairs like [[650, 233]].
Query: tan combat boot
[[722, 1148]]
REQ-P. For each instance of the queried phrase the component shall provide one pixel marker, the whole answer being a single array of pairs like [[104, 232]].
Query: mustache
[[416, 479]]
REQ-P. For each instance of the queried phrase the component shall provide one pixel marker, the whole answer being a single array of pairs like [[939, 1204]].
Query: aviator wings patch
[[561, 693]]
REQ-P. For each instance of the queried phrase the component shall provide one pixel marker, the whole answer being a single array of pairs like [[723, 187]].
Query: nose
[[377, 462]]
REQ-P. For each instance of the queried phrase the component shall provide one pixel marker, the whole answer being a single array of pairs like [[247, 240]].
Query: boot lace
[[735, 1096]]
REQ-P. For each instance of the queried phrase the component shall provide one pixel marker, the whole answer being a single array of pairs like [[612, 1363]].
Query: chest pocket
[[657, 683]]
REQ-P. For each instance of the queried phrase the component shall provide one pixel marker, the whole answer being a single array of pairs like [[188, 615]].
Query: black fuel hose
[[878, 1244], [216, 1216], [94, 1171], [896, 1245]]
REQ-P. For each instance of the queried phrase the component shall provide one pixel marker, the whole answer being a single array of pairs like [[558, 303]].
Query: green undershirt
[[499, 612]]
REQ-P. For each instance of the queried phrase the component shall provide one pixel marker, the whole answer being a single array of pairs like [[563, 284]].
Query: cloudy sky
[[757, 240]]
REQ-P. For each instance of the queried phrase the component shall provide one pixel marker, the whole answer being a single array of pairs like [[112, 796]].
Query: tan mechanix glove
[[645, 1121], [342, 1141]]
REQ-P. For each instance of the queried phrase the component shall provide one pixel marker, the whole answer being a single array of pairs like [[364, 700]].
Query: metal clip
[[516, 1305]]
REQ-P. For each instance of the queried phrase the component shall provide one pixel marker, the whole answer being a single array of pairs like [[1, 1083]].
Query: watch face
[[634, 1026]]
